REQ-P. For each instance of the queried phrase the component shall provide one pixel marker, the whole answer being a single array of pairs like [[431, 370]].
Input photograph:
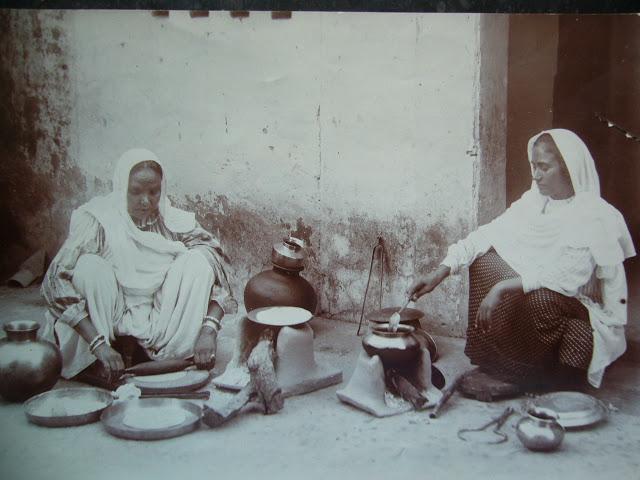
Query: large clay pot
[[28, 366], [539, 430], [395, 349], [282, 286]]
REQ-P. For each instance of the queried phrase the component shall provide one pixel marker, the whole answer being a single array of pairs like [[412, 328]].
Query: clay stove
[[272, 298], [393, 373]]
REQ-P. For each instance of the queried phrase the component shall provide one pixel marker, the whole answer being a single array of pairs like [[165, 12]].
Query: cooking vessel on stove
[[395, 349], [282, 286]]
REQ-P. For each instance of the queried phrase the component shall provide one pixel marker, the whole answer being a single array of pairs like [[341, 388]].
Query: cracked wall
[[337, 127]]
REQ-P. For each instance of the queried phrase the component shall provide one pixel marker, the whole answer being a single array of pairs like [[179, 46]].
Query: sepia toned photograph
[[273, 244]]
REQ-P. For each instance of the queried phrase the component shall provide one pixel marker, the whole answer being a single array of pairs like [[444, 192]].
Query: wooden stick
[[405, 389], [262, 391], [446, 395]]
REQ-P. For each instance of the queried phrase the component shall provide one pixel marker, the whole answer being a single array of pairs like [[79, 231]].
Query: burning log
[[405, 389], [261, 393]]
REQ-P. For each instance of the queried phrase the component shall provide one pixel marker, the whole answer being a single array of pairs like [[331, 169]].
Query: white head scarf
[[140, 258], [524, 236]]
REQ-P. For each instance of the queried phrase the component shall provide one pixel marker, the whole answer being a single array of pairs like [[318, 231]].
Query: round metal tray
[[574, 409], [33, 408], [280, 316], [113, 418], [174, 382]]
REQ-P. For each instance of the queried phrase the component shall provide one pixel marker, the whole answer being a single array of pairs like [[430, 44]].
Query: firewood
[[263, 373], [405, 389], [262, 391]]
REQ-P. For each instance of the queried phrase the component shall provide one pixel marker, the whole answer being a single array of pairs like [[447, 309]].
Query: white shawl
[[140, 258], [528, 239]]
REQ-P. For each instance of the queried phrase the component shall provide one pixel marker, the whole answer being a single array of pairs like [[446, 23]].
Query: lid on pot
[[289, 254], [383, 315]]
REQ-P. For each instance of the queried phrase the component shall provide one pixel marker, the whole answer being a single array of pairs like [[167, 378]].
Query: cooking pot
[[395, 349]]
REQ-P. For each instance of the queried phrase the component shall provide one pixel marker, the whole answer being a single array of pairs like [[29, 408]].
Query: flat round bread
[[154, 418], [282, 316], [64, 407]]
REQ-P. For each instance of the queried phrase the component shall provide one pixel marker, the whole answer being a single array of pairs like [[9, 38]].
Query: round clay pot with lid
[[28, 365]]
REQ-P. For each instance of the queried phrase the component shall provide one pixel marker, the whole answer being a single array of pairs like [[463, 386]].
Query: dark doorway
[[565, 71]]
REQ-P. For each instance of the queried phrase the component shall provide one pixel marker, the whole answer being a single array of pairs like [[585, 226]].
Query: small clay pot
[[539, 430], [395, 349]]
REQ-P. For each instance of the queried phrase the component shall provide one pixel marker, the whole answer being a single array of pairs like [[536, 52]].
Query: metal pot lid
[[574, 409], [280, 316], [407, 315]]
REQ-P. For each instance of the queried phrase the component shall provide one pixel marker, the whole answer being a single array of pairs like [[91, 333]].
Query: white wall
[[342, 127]]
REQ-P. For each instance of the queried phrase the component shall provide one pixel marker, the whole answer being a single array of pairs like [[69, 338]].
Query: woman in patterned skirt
[[548, 290]]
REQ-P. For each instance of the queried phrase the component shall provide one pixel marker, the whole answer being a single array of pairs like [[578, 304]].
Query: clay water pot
[[282, 286], [395, 349], [539, 430], [28, 366]]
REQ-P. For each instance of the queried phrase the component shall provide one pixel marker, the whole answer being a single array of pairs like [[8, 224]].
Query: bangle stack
[[96, 342], [212, 322]]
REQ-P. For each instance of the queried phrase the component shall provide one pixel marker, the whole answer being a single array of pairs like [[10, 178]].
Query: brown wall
[[533, 44]]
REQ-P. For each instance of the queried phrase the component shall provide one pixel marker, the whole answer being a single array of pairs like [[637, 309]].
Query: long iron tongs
[[498, 422]]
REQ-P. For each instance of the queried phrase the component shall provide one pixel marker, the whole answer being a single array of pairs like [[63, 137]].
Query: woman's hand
[[205, 348], [427, 283], [111, 360], [487, 307], [491, 302]]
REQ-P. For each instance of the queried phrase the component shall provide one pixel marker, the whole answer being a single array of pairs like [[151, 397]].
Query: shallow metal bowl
[[34, 406], [113, 418], [574, 409]]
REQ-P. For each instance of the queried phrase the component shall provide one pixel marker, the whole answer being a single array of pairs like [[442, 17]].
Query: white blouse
[[573, 273]]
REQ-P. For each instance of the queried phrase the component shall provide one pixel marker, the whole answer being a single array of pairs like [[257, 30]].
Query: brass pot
[[539, 430], [395, 349], [28, 366]]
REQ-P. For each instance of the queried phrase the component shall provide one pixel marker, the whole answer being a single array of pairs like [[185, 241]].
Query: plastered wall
[[337, 127]]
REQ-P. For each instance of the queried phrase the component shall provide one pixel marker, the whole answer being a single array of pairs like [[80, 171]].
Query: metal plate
[[574, 409], [383, 315], [114, 418], [280, 316], [174, 382], [64, 407]]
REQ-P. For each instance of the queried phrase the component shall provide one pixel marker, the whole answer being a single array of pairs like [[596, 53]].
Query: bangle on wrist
[[212, 322], [96, 342]]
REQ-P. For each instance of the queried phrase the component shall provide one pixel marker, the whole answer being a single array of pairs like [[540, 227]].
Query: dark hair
[[155, 166]]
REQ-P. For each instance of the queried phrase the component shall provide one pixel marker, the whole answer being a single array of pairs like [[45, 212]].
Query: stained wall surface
[[339, 128]]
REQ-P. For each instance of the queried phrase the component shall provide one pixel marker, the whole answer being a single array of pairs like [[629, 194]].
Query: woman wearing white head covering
[[547, 286], [134, 265]]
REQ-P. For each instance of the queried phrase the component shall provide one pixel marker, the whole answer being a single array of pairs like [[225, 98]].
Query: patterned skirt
[[531, 337]]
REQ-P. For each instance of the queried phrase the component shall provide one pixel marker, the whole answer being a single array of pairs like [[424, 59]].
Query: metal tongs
[[498, 422]]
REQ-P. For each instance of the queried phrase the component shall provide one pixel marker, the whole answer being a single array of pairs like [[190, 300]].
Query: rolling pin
[[159, 366]]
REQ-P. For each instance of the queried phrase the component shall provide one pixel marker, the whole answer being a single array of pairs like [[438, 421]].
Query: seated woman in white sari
[[547, 300], [133, 265]]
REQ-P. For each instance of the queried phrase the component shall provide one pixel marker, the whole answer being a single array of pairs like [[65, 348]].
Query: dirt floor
[[316, 436]]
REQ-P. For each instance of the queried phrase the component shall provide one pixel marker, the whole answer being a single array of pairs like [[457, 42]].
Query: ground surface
[[316, 436]]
